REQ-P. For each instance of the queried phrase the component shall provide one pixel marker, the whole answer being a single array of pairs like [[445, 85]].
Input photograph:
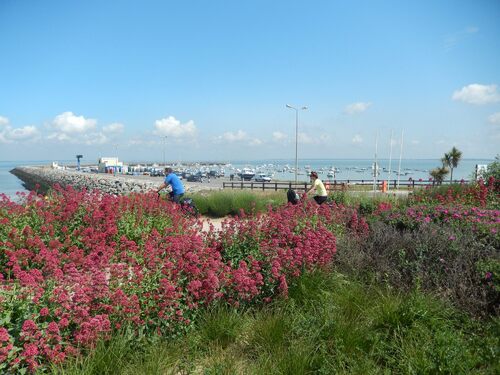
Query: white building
[[111, 165]]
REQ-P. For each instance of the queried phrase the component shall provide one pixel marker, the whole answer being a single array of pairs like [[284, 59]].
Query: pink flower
[[44, 311], [4, 335], [52, 327]]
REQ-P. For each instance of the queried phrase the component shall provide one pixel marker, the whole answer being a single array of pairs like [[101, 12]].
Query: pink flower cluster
[[478, 194], [77, 266]]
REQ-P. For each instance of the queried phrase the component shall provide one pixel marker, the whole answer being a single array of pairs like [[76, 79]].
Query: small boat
[[247, 174]]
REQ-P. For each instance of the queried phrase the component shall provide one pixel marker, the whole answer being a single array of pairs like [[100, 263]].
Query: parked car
[[194, 178], [262, 178]]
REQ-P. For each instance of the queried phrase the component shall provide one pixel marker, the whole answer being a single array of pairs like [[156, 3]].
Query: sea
[[283, 169]]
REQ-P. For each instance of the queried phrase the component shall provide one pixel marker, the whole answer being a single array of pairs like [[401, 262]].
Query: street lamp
[[296, 136], [164, 145]]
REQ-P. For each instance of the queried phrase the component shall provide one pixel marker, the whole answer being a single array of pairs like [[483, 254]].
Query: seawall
[[46, 177]]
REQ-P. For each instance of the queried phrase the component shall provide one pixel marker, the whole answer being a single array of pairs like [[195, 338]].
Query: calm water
[[348, 169], [9, 184], [358, 169]]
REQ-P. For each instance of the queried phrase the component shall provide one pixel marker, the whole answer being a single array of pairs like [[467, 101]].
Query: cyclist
[[321, 194], [174, 181]]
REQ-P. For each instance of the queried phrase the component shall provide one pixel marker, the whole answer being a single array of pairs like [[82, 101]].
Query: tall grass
[[329, 324], [367, 202], [230, 202]]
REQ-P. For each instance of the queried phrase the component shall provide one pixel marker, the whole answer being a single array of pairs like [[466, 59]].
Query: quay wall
[[46, 177]]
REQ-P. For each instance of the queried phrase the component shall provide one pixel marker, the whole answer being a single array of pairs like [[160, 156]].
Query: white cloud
[[357, 107], [67, 122], [4, 121], [415, 142], [279, 136], [23, 134], [172, 127], [9, 134], [98, 138], [62, 137], [305, 138], [494, 118], [477, 94], [114, 128], [255, 142], [240, 135], [357, 139]]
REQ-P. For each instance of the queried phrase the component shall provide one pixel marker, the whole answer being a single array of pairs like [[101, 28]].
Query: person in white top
[[321, 194]]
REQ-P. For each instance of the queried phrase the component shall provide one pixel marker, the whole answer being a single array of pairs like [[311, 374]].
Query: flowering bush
[[446, 243], [480, 194], [75, 266], [484, 223]]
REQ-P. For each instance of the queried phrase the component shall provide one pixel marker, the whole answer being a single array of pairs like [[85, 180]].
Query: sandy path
[[217, 223]]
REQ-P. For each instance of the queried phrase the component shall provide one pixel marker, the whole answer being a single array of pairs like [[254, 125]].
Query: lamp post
[[164, 145], [296, 136]]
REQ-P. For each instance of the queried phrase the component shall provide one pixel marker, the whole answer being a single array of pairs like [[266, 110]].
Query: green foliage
[[220, 326], [231, 202], [329, 324], [135, 227], [439, 173], [451, 160], [493, 171], [438, 259]]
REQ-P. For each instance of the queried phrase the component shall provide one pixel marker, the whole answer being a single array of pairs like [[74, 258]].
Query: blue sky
[[115, 77]]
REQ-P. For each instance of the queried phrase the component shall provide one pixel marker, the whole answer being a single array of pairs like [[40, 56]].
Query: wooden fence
[[331, 185]]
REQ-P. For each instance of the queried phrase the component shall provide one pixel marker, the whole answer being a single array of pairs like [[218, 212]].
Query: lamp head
[[289, 106]]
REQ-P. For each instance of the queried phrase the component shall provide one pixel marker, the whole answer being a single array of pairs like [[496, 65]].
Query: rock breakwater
[[46, 177]]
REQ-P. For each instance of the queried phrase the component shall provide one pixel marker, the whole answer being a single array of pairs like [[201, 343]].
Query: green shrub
[[329, 324], [437, 259], [231, 202]]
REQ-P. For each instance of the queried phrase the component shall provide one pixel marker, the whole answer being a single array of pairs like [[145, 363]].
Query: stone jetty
[[46, 177]]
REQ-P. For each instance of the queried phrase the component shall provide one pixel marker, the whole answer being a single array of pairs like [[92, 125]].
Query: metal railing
[[279, 185], [333, 185]]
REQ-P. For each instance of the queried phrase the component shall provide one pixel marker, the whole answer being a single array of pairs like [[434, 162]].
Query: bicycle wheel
[[192, 210]]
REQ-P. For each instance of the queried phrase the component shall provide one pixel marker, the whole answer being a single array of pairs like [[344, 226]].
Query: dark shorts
[[320, 200], [176, 198]]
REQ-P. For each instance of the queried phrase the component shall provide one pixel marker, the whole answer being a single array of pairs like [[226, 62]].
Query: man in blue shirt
[[177, 187]]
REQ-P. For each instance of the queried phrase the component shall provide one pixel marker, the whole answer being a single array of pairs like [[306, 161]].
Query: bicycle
[[187, 205]]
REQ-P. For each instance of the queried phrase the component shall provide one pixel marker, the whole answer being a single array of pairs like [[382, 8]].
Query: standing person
[[174, 181], [317, 184]]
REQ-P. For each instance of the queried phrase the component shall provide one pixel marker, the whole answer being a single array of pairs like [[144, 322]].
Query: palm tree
[[451, 160], [438, 174]]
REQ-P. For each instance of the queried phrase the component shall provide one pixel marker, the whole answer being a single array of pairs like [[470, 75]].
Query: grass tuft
[[329, 324]]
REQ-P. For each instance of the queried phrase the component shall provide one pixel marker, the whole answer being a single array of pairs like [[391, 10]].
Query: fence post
[[275, 186], [242, 185], [251, 185], [263, 186]]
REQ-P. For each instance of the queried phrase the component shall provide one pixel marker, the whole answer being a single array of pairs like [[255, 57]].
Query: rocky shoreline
[[47, 177]]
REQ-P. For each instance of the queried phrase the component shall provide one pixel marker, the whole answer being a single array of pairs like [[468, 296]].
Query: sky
[[210, 80]]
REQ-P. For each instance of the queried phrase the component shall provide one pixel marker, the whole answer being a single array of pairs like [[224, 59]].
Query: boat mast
[[375, 165], [400, 155], [390, 164]]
